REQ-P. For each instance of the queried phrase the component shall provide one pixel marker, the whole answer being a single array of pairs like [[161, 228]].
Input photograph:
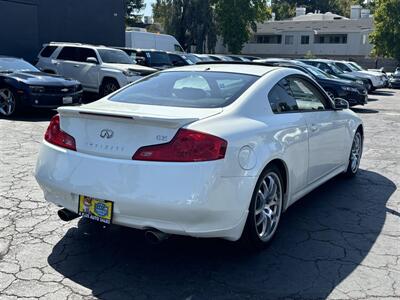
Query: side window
[[281, 99], [178, 48], [67, 53], [132, 54], [343, 67], [84, 53], [174, 58], [324, 67], [48, 51], [307, 96]]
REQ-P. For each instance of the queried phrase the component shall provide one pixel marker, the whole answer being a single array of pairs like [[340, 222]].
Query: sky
[[148, 10]]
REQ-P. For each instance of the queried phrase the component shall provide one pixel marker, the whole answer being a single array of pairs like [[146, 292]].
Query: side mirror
[[341, 104], [92, 60]]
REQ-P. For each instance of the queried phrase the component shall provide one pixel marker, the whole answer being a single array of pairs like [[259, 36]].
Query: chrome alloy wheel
[[268, 206], [356, 151], [7, 102]]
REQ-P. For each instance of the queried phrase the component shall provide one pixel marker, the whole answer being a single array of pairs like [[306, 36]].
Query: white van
[[148, 40]]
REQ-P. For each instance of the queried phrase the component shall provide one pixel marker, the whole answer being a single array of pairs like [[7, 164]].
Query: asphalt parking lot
[[340, 242]]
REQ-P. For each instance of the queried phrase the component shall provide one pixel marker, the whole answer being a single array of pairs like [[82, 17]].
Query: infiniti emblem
[[106, 134]]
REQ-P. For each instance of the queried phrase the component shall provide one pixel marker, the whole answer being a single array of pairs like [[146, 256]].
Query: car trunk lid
[[118, 130]]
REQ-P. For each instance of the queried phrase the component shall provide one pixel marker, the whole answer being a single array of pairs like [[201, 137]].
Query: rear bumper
[[177, 198], [379, 83]]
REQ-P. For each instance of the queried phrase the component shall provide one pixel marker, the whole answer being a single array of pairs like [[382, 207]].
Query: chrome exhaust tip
[[66, 215], [155, 237]]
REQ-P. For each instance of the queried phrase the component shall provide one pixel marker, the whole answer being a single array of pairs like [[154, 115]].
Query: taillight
[[186, 146], [54, 135]]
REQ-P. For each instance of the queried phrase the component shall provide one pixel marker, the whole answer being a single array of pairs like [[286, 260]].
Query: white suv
[[100, 69]]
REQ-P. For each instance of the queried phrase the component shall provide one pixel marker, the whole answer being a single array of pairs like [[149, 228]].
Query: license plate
[[67, 100], [95, 209]]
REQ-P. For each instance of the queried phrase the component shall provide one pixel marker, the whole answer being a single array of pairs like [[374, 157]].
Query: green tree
[[192, 22], [162, 12], [285, 9], [133, 9], [386, 36], [236, 19]]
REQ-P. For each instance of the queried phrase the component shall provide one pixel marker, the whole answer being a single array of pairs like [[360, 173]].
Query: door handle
[[56, 63], [313, 127], [76, 66]]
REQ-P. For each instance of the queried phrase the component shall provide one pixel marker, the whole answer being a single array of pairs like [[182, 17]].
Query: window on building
[[330, 39], [269, 39], [305, 39], [289, 39]]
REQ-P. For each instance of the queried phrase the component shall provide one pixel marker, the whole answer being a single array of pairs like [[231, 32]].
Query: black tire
[[352, 169], [251, 235], [371, 89], [108, 86], [8, 109]]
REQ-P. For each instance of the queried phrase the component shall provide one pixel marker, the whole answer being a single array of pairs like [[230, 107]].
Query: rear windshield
[[114, 56], [191, 59], [159, 59], [187, 89]]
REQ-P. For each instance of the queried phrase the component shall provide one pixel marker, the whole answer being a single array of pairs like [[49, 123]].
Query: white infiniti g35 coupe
[[209, 150]]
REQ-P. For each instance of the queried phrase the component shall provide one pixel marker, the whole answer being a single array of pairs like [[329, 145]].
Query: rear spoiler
[[171, 122]]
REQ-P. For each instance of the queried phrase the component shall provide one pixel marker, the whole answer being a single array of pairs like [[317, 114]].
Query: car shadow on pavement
[[383, 93], [322, 239], [364, 110], [34, 115]]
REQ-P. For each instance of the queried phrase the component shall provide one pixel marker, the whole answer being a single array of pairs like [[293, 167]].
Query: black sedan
[[179, 59], [22, 85], [156, 59], [354, 93], [329, 67]]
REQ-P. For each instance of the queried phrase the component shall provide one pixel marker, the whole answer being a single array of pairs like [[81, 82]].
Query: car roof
[[82, 45], [229, 67], [4, 57], [320, 60], [140, 49]]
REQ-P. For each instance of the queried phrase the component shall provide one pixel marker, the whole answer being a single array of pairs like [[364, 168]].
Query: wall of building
[[19, 33], [27, 24], [312, 25]]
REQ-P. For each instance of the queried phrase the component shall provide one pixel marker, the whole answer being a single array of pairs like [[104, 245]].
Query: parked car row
[[103, 70], [354, 91]]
